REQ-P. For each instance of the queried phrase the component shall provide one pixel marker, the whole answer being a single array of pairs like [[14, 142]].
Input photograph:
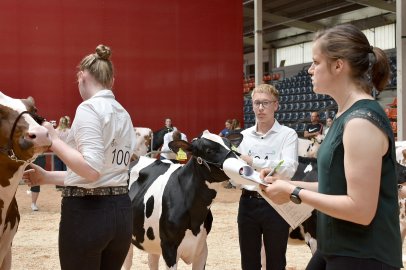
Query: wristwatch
[[294, 196]]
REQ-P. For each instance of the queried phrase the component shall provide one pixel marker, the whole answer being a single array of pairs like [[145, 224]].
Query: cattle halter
[[218, 165], [9, 149]]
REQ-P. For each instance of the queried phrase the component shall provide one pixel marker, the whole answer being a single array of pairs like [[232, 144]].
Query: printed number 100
[[119, 157]]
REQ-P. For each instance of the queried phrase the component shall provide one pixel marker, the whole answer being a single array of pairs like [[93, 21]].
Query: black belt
[[251, 194], [71, 191]]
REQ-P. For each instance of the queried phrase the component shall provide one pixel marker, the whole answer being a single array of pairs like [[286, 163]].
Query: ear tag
[[233, 148], [181, 155]]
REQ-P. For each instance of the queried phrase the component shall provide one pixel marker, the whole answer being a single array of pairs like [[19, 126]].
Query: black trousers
[[257, 220], [320, 262], [95, 232]]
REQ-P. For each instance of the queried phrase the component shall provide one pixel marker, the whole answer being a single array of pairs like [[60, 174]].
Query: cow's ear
[[235, 139], [184, 145], [30, 104]]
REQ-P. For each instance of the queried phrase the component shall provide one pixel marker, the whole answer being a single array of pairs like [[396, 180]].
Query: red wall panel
[[180, 59]]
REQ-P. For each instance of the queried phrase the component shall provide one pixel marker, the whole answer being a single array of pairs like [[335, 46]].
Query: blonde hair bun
[[103, 52]]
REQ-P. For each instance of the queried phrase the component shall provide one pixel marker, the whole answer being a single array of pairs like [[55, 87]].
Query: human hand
[[279, 192], [34, 176], [247, 159], [51, 131]]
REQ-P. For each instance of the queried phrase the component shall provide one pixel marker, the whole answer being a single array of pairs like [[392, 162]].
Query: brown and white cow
[[21, 140], [143, 141], [171, 202]]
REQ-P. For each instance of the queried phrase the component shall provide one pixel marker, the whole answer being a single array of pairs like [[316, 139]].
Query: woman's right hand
[[34, 176]]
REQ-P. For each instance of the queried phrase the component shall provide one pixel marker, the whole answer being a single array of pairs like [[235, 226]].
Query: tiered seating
[[296, 102], [392, 64]]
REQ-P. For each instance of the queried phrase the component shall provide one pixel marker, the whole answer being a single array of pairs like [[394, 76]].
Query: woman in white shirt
[[96, 217]]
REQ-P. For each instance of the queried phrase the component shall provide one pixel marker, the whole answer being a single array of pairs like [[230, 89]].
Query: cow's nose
[[39, 136]]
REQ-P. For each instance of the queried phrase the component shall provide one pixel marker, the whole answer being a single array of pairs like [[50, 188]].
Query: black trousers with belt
[[258, 220], [95, 232]]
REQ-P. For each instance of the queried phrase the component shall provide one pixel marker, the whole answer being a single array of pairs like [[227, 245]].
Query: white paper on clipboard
[[242, 174]]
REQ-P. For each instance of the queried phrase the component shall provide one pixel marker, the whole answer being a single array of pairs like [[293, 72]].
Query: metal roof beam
[[277, 20], [391, 7]]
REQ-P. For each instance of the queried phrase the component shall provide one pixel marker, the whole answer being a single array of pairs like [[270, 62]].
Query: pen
[[276, 168]]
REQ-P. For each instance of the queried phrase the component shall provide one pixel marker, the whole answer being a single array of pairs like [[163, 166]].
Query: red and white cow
[[171, 202], [21, 140], [143, 141]]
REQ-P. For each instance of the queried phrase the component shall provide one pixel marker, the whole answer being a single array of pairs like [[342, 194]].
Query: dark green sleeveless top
[[379, 240]]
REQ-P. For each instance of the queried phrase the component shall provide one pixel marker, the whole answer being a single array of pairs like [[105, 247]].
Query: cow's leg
[[199, 261], [311, 242], [128, 260], [6, 265], [402, 217], [169, 249], [153, 261]]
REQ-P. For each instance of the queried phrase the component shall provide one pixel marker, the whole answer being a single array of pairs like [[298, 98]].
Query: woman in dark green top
[[356, 194]]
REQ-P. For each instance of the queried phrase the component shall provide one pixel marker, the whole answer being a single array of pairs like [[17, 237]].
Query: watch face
[[294, 198]]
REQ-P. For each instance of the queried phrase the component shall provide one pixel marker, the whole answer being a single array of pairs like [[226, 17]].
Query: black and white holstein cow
[[171, 202], [21, 140], [307, 171]]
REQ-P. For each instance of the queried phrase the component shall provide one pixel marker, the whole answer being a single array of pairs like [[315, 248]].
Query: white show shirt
[[103, 132], [167, 139], [267, 150]]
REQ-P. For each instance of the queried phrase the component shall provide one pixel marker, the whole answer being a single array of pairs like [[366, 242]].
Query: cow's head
[[210, 151], [143, 137], [22, 137]]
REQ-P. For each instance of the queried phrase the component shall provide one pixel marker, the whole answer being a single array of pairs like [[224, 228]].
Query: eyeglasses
[[265, 103]]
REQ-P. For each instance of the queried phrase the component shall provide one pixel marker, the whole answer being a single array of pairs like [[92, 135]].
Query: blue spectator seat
[[309, 106], [282, 117], [323, 115], [301, 127], [295, 117], [288, 117]]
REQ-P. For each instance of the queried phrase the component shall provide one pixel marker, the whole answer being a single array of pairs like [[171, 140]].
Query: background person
[[171, 136], [235, 126], [158, 136], [228, 126], [329, 122], [264, 145], [62, 130], [315, 128], [356, 195], [95, 196], [35, 190]]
